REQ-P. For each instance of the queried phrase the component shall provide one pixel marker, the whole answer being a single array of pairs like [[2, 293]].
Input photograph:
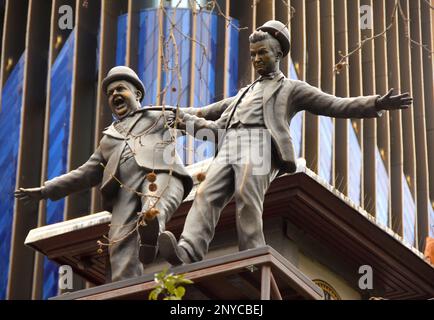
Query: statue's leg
[[249, 198], [166, 199], [211, 197], [253, 175], [124, 250]]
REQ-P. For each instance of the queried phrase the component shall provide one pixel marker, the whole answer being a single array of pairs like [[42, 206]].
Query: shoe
[[170, 250], [148, 241]]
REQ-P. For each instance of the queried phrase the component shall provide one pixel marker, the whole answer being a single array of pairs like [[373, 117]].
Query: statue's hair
[[260, 35]]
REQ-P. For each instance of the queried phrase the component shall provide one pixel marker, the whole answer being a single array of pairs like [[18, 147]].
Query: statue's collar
[[270, 76], [127, 123]]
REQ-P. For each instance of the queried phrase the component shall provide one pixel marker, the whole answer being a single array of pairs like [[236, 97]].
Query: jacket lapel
[[112, 132], [236, 101], [136, 118], [271, 88]]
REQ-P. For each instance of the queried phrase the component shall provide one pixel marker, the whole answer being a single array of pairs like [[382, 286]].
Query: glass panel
[[296, 125], [409, 213], [354, 166], [382, 191], [326, 148]]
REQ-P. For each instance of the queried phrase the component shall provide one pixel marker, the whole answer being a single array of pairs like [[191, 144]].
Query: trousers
[[243, 169], [124, 252]]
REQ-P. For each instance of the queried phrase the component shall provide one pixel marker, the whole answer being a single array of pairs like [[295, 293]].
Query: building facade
[[54, 55]]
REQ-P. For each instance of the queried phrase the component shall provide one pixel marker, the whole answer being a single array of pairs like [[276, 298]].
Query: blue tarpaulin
[[10, 122]]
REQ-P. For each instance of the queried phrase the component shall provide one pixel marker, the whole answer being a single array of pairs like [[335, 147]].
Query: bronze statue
[[139, 187], [268, 104]]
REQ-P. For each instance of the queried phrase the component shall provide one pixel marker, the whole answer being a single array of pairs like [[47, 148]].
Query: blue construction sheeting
[[121, 40], [354, 167], [382, 191], [408, 214], [205, 73], [232, 69], [325, 148], [148, 54], [177, 65], [58, 140], [10, 122]]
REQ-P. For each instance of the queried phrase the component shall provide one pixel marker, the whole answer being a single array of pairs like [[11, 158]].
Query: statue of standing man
[[262, 109]]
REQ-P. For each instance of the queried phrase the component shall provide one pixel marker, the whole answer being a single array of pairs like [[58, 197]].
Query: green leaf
[[180, 291], [153, 295], [186, 281], [169, 285]]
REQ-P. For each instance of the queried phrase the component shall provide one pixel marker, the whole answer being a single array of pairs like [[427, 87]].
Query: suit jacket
[[282, 99], [154, 151]]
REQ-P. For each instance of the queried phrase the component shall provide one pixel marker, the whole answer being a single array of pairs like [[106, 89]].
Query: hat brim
[[125, 77], [280, 36]]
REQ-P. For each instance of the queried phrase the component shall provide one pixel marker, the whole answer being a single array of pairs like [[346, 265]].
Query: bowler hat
[[123, 73], [279, 31]]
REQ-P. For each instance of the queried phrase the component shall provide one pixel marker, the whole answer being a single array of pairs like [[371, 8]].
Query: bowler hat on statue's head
[[123, 73], [279, 31]]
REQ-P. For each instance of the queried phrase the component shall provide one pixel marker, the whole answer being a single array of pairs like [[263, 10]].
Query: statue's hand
[[389, 102], [175, 117], [31, 194]]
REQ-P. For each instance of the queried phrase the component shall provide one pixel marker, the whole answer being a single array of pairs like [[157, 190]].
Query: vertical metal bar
[[160, 55], [243, 11], [406, 69], [328, 79], [420, 124], [283, 14], [382, 85], [265, 282], [226, 57], [355, 75], [132, 29], [190, 139], [409, 143], [264, 11], [299, 53], [275, 293], [107, 53], [30, 151], [298, 37], [52, 53], [369, 125], [396, 149], [341, 149], [83, 99], [427, 18], [313, 30]]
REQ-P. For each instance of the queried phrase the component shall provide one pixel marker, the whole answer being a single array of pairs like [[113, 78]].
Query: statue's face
[[263, 58], [123, 98]]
